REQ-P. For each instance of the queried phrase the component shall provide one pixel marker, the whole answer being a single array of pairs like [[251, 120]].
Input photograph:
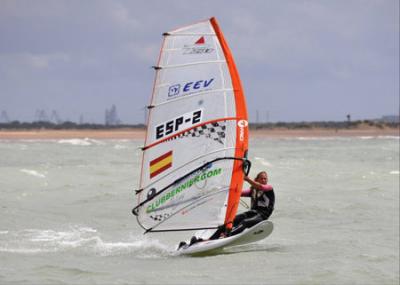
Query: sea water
[[65, 216]]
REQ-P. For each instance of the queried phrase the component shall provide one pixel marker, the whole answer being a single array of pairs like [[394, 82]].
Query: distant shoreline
[[136, 133]]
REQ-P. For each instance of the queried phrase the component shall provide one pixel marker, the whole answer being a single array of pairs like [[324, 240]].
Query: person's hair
[[258, 175]]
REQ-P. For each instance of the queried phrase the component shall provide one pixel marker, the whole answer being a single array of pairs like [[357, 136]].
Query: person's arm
[[253, 183], [246, 192], [257, 185]]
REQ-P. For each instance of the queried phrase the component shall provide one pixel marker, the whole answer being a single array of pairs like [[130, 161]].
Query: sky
[[298, 60]]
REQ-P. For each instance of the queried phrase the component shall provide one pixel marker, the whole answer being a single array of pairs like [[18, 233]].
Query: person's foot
[[193, 240], [181, 244]]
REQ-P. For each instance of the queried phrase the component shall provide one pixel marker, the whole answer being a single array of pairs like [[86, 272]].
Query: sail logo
[[199, 47], [189, 87], [177, 124], [160, 164], [242, 124], [174, 90], [179, 190]]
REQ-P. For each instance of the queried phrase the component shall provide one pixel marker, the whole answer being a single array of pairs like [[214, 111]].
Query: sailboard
[[249, 235], [195, 150]]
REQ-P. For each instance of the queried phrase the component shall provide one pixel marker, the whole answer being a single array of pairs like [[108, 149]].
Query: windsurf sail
[[197, 134]]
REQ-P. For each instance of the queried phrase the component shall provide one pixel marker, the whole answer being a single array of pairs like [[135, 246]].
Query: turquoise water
[[65, 216]]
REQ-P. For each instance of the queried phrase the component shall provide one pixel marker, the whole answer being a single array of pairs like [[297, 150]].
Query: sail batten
[[189, 64], [197, 94], [196, 136], [188, 34]]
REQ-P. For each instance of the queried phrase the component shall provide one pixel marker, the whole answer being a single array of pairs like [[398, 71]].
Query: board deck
[[253, 234]]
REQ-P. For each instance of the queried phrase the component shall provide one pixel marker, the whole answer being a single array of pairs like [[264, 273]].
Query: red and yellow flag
[[160, 164]]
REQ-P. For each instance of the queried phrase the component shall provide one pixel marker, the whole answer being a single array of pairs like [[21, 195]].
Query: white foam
[[118, 146], [379, 137], [24, 250], [263, 161], [81, 142], [86, 239], [33, 173], [140, 247], [389, 137], [343, 138], [333, 138]]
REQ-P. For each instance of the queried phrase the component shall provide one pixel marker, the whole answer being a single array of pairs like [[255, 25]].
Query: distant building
[[390, 119], [41, 116], [4, 117], [55, 118], [111, 117]]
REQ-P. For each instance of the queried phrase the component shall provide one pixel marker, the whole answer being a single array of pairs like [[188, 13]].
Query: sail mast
[[241, 129]]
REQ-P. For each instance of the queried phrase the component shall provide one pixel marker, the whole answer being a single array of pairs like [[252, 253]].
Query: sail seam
[[193, 95]]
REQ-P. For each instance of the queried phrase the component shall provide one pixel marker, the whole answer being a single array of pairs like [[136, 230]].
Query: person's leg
[[246, 215], [247, 223], [252, 221], [238, 219]]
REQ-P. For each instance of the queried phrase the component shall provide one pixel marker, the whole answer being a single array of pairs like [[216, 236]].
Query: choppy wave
[[83, 239], [33, 173], [262, 161], [81, 142], [118, 146], [344, 138]]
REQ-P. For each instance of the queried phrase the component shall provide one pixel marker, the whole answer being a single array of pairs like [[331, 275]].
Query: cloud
[[22, 65], [285, 51]]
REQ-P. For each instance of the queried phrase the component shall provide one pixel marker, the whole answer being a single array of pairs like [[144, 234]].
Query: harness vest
[[262, 201]]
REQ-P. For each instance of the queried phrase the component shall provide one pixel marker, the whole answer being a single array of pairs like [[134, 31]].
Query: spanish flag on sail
[[160, 164]]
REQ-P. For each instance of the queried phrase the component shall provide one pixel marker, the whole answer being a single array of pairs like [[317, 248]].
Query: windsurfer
[[262, 205]]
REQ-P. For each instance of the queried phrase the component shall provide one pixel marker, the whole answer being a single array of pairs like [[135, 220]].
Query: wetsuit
[[262, 206]]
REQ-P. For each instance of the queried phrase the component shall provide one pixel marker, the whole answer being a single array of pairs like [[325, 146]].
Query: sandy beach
[[140, 134]]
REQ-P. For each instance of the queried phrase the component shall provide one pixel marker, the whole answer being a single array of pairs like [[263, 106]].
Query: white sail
[[196, 134]]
